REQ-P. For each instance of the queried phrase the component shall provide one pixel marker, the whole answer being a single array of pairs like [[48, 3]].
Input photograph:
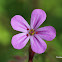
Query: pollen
[[32, 32]]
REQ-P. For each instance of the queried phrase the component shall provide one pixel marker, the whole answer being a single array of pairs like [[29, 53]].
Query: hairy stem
[[31, 54]]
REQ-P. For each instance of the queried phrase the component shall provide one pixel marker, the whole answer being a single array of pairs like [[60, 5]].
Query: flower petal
[[19, 40], [47, 33], [38, 16], [37, 44], [19, 23]]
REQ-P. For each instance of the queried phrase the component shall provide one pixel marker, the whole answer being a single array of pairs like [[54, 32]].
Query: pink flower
[[32, 32]]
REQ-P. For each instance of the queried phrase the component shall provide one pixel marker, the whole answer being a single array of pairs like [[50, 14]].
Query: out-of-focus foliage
[[4, 35], [9, 8], [53, 6]]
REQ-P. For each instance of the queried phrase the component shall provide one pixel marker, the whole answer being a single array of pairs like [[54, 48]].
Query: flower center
[[32, 32]]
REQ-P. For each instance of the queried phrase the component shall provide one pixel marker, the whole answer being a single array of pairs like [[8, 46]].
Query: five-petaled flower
[[32, 32]]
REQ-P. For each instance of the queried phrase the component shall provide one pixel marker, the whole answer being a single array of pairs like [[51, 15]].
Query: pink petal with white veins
[[19, 23], [19, 40], [37, 44], [47, 33], [38, 16]]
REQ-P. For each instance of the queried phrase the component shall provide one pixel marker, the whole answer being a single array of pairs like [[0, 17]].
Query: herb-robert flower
[[32, 32]]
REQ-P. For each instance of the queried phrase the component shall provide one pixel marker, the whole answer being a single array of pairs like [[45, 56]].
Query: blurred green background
[[9, 8]]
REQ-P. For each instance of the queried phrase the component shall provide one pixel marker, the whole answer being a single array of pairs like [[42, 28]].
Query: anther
[[27, 35], [36, 32], [27, 29]]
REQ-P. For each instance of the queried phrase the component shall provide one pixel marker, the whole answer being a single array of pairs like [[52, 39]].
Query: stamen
[[36, 32], [27, 35], [32, 32], [27, 29]]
